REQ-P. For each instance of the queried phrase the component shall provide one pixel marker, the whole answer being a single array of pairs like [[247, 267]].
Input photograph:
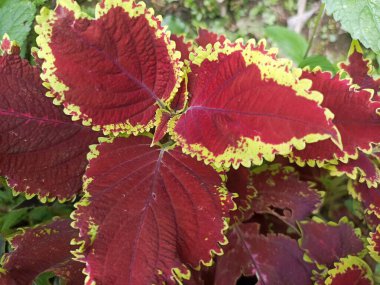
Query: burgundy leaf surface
[[374, 244], [355, 117], [370, 197], [230, 122], [41, 150], [149, 212], [327, 243], [364, 168], [42, 249], [277, 259], [350, 270], [182, 45], [279, 191], [240, 182], [359, 69], [112, 72], [206, 37]]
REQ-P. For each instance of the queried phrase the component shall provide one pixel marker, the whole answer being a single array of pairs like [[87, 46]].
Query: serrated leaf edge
[[272, 68]]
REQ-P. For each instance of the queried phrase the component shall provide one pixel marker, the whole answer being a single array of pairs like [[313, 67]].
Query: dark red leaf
[[364, 168], [280, 192], [374, 244], [240, 182], [236, 260], [327, 243], [229, 122], [355, 117], [162, 126], [112, 71], [41, 150], [277, 259], [206, 37], [146, 209], [182, 45], [360, 69], [43, 249], [177, 105], [350, 270], [370, 197]]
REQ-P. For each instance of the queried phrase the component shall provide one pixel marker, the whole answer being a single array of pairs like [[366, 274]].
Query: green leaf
[[290, 43], [44, 279], [318, 60], [11, 219], [16, 18], [360, 18]]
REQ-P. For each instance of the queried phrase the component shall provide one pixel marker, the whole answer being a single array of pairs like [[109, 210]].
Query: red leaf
[[112, 72], [206, 37], [327, 243], [277, 259], [8, 47], [41, 150], [280, 192], [145, 210], [162, 120], [240, 182], [350, 270], [236, 260], [370, 197], [355, 117], [364, 168], [360, 69], [43, 249], [229, 122], [177, 106], [374, 244], [182, 45]]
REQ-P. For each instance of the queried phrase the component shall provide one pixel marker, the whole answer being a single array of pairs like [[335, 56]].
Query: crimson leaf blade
[[350, 270], [327, 243], [276, 259], [42, 151], [42, 249], [238, 120], [145, 209], [356, 118], [112, 72]]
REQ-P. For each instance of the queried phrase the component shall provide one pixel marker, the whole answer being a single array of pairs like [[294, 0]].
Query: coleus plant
[[182, 155]]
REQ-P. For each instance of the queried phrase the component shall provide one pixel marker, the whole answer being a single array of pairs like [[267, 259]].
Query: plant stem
[[316, 26]]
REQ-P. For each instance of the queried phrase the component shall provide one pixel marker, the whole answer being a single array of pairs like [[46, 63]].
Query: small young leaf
[[360, 18], [148, 207], [289, 42]]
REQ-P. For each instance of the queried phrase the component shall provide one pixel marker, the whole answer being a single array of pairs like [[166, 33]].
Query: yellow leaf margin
[[44, 27], [279, 70]]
